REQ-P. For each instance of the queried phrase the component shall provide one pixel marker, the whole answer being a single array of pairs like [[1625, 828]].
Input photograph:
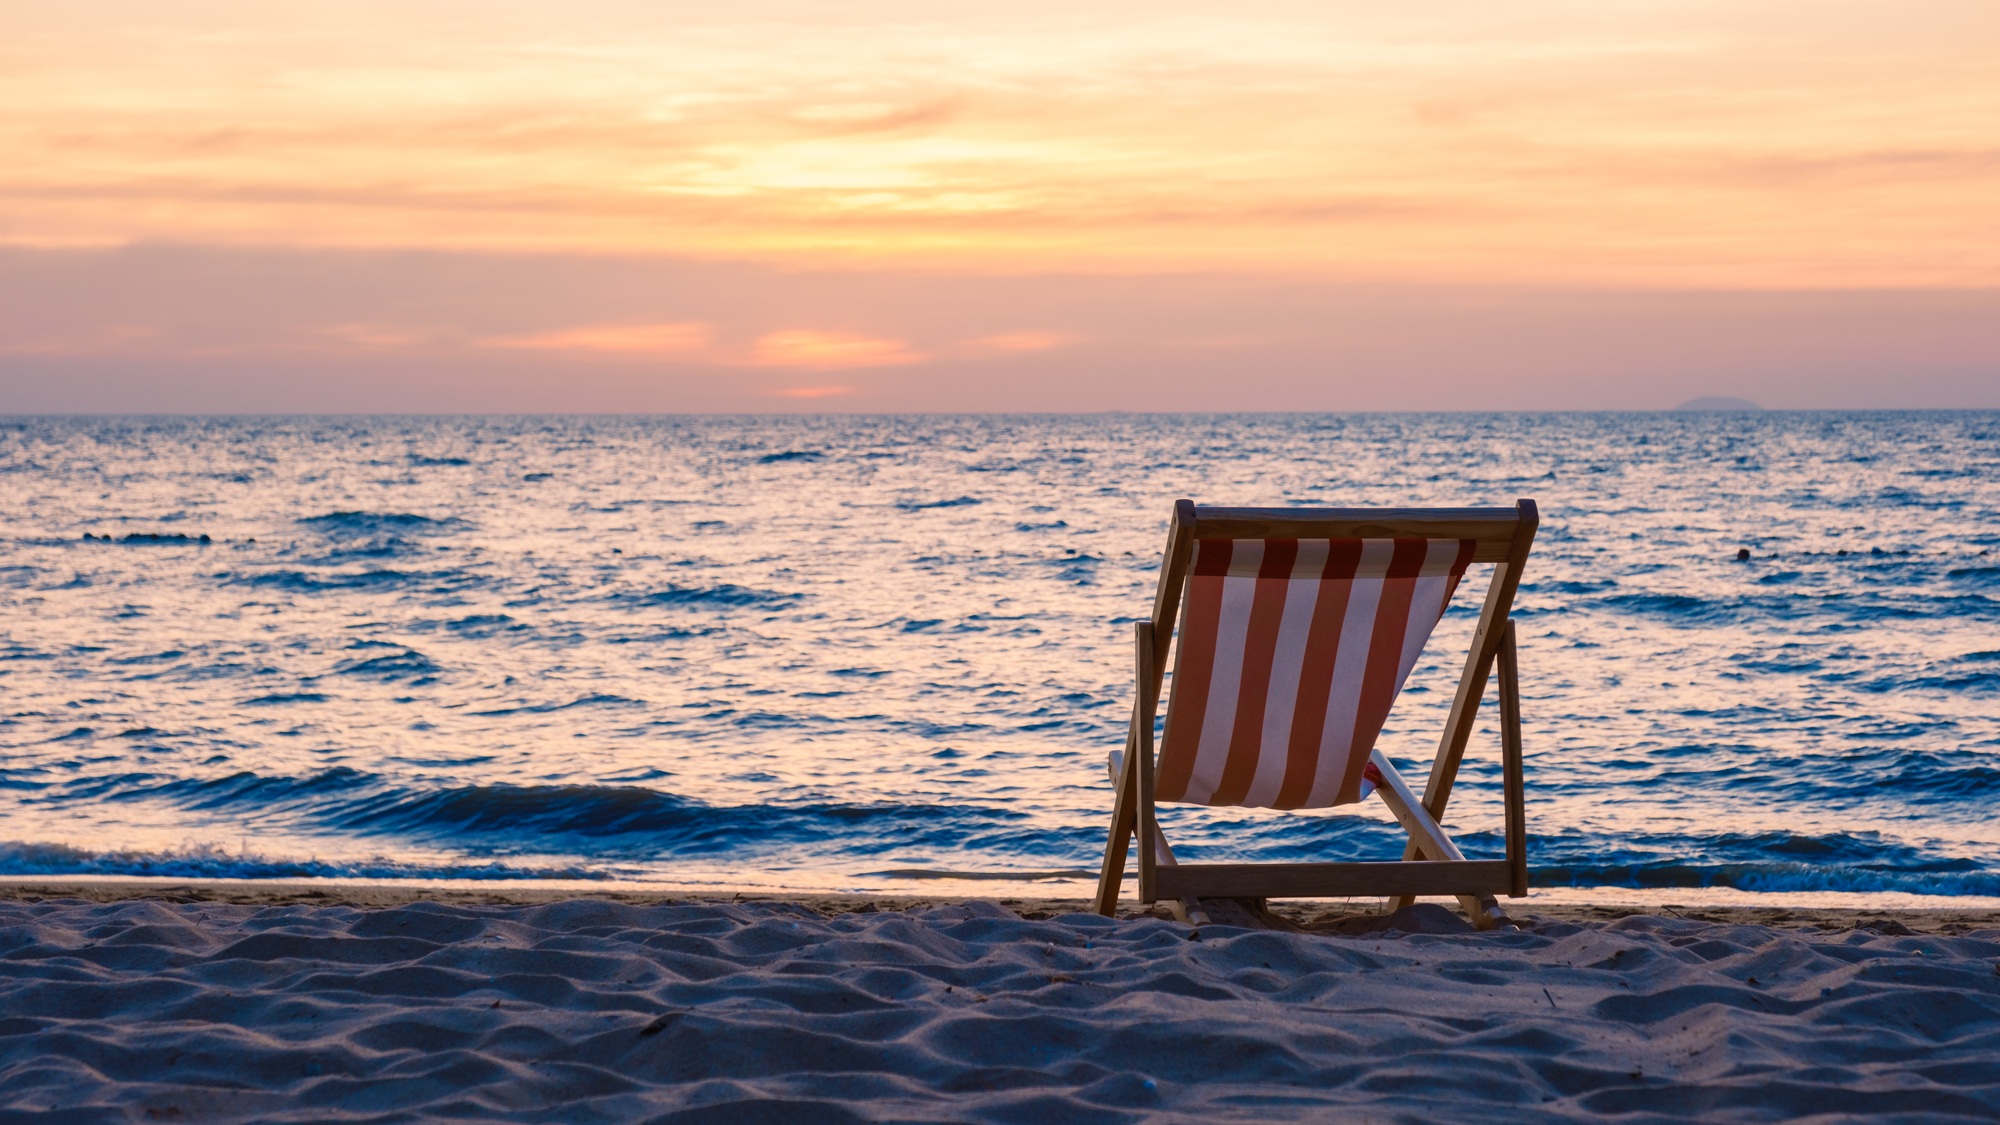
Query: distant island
[[1718, 402]]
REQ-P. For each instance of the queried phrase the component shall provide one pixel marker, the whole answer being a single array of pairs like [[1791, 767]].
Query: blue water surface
[[849, 651]]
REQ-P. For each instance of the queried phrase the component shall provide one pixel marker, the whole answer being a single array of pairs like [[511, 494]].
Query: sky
[[666, 206]]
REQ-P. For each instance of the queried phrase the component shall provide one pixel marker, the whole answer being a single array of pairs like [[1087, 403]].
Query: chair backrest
[[1292, 650]]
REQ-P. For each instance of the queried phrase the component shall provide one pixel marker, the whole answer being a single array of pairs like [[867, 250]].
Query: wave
[[18, 577], [726, 594], [635, 824], [1769, 877], [1691, 610], [919, 506], [210, 862], [652, 822], [307, 583], [790, 455], [1978, 575], [582, 701], [349, 524], [408, 664]]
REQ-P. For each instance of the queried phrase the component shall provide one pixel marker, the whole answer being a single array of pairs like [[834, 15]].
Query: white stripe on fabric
[[1426, 604], [1287, 665], [1350, 667], [1376, 555], [1246, 563], [1226, 681]]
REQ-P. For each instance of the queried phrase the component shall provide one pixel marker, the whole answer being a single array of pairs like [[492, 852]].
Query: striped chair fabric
[[1291, 653]]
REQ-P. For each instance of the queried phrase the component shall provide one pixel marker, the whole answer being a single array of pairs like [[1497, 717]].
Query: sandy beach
[[130, 1002]]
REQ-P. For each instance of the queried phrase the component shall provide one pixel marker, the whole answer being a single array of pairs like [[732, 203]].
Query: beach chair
[[1298, 627]]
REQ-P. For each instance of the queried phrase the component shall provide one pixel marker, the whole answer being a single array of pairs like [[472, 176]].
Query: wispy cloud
[[804, 348], [810, 392], [1014, 343], [1655, 144], [384, 337], [616, 339]]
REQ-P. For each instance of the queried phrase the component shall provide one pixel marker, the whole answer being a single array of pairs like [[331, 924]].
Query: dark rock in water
[[151, 537], [1742, 554], [1718, 403]]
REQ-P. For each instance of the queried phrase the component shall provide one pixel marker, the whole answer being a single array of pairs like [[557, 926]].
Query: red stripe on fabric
[[1385, 655], [1408, 559], [1260, 644], [1316, 673], [1193, 669], [1211, 557], [1343, 559], [1458, 565]]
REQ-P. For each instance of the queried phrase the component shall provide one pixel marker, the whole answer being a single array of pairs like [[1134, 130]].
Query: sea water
[[851, 652]]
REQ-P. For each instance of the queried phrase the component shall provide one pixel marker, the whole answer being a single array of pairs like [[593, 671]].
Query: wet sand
[[1316, 915]]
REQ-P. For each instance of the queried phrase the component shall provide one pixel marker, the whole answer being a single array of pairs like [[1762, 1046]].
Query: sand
[[381, 1008]]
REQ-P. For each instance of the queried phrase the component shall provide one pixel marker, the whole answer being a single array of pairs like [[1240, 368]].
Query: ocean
[[890, 653]]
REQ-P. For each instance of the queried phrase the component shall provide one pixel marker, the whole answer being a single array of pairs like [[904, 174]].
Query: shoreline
[[1310, 914]]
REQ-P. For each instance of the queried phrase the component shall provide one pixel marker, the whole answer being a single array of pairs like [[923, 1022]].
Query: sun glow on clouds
[[621, 339], [801, 348], [829, 351], [1014, 343], [1691, 143], [811, 392]]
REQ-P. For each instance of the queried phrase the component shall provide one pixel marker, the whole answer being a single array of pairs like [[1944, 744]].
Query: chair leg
[[1429, 840], [1513, 787], [1124, 821], [1187, 908]]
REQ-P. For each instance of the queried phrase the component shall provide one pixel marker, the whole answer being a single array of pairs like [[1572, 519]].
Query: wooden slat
[[1428, 836], [1493, 621], [1478, 665], [1429, 839], [1124, 818], [1145, 672], [1187, 908], [1493, 529], [1332, 880], [1173, 582], [1512, 784]]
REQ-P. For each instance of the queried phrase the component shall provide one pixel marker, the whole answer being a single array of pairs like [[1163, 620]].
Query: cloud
[[623, 339], [810, 392], [803, 349], [380, 337], [1655, 144], [93, 339], [1013, 343], [806, 348]]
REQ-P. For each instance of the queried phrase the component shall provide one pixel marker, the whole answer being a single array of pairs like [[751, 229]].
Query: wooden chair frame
[[1432, 864]]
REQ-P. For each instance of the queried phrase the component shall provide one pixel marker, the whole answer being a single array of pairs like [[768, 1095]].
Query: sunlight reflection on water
[[812, 650]]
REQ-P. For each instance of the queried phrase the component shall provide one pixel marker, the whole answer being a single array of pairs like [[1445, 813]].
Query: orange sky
[[1533, 149]]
